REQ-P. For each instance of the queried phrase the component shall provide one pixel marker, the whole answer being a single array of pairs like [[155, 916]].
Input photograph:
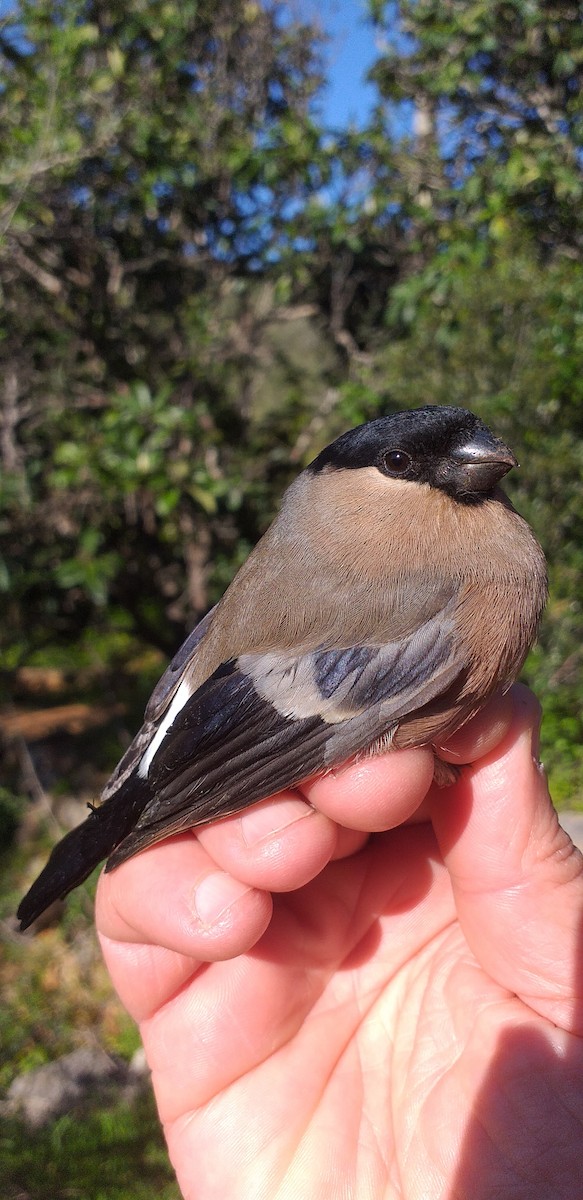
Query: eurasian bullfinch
[[394, 593]]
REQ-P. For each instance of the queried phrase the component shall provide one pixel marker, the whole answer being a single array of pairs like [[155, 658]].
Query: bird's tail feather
[[75, 857]]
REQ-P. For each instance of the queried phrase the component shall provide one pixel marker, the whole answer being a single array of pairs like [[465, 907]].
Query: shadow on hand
[[524, 1138]]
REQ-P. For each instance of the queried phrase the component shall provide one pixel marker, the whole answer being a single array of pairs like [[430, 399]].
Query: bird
[[395, 592]]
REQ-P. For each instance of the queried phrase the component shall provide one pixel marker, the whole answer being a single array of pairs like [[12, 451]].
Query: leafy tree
[[150, 160], [492, 97]]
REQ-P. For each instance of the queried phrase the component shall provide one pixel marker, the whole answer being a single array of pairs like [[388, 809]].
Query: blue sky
[[350, 53]]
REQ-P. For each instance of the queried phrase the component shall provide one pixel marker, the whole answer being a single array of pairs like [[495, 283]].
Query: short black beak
[[481, 462]]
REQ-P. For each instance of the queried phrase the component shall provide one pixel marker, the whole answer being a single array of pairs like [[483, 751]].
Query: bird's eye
[[396, 462]]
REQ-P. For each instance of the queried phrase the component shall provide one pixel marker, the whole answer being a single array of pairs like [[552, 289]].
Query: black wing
[[266, 721]]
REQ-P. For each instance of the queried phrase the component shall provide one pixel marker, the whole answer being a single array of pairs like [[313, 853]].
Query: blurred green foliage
[[201, 285], [114, 1154]]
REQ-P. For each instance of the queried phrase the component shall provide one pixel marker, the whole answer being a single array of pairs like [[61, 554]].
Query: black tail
[[74, 858]]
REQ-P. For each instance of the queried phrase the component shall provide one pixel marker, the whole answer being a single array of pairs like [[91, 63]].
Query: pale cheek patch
[[183, 694]]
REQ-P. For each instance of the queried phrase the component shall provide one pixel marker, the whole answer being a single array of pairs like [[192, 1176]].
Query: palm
[[359, 1049]]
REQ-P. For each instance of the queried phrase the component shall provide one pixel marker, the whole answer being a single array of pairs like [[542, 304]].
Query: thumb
[[516, 876]]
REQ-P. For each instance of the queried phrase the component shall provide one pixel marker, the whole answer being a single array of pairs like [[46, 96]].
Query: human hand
[[402, 1018]]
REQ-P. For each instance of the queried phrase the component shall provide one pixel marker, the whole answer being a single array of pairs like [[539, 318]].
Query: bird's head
[[445, 447]]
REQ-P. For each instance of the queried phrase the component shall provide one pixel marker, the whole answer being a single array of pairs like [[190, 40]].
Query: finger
[[284, 842], [277, 845], [382, 791], [174, 895], [349, 842], [516, 876], [146, 977], [479, 737], [374, 793]]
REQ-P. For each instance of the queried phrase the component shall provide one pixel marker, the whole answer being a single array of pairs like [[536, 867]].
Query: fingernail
[[261, 824], [215, 894]]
